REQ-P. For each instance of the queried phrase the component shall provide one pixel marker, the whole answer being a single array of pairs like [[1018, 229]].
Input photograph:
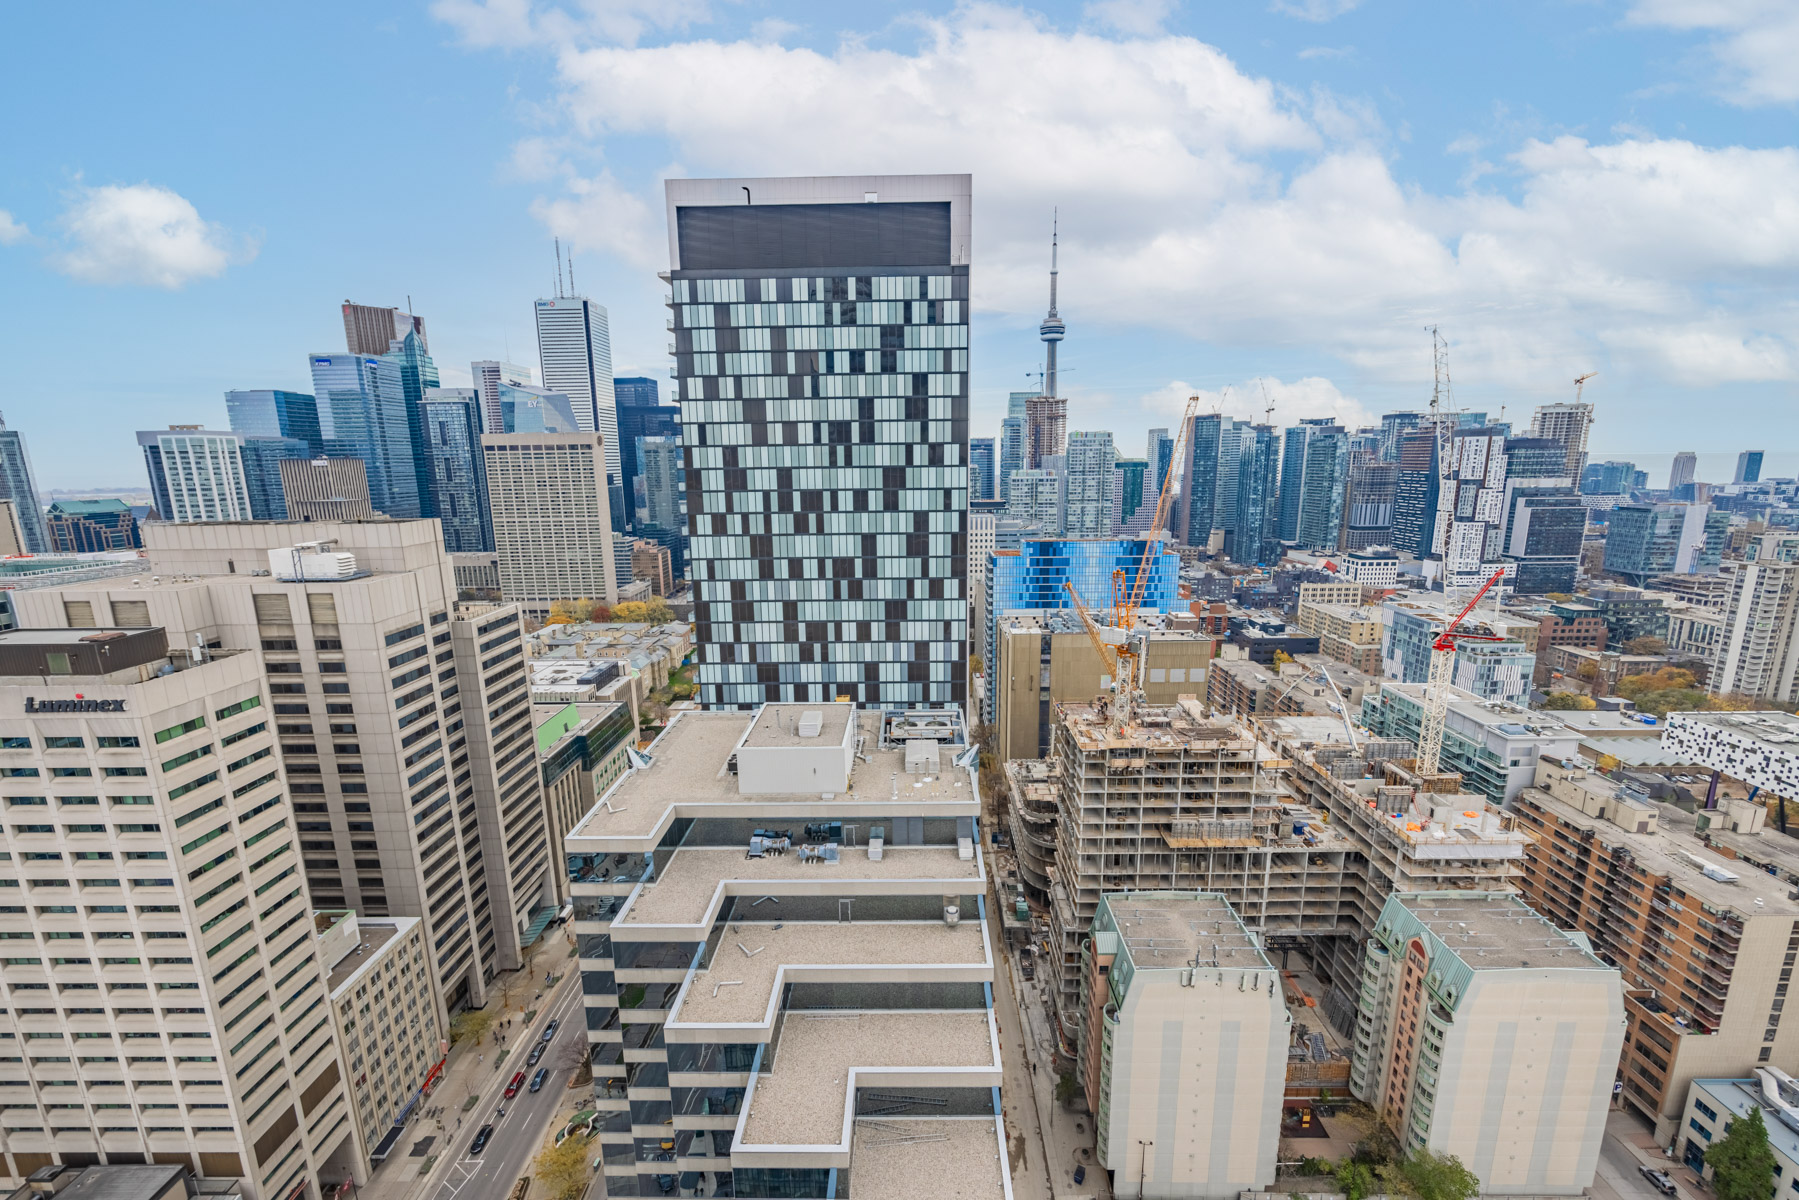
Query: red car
[[518, 1081]]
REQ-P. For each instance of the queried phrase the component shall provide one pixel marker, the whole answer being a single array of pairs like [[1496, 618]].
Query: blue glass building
[[363, 415], [984, 484], [270, 412], [17, 485], [1199, 485], [450, 421], [262, 457], [635, 423], [1033, 578], [1254, 541], [407, 369]]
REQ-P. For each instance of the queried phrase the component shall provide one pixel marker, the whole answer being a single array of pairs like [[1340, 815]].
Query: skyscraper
[[270, 412], [362, 415], [661, 483], [636, 391], [1160, 456], [1368, 501], [196, 474], [1415, 492], [1088, 511], [1686, 463], [325, 489], [1011, 453], [574, 347], [18, 485], [1567, 424], [371, 330], [1645, 540], [831, 564], [1323, 486], [1607, 478], [1293, 473], [980, 457], [1131, 497], [263, 457], [488, 375], [1749, 467], [408, 370], [1039, 498], [450, 420], [1046, 415], [1255, 542], [1392, 426], [636, 422], [551, 529], [1199, 479], [1545, 522], [1470, 532]]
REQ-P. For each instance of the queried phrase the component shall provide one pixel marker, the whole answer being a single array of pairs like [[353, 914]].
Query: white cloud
[[1136, 17], [1756, 43], [1313, 10], [1203, 201], [11, 230], [142, 234]]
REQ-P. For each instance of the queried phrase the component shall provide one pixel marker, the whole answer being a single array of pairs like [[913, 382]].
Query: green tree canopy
[[1443, 1177], [1742, 1163]]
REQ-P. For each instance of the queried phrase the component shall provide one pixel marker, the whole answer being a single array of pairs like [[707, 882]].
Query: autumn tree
[[654, 611], [1569, 701], [563, 1169], [1645, 645]]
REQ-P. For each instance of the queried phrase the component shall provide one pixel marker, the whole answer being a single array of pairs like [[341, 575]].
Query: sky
[[1261, 202]]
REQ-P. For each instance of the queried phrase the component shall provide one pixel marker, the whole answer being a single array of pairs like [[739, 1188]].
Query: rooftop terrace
[[740, 984], [806, 1099]]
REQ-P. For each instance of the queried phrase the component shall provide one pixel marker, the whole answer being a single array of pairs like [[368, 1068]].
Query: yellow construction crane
[[1129, 599], [1581, 383], [1115, 656]]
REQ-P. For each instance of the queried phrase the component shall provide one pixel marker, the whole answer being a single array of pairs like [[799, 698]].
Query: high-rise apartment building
[[983, 483], [450, 449], [1485, 1032], [1255, 541], [488, 376], [1645, 540], [1567, 425], [362, 415], [1039, 499], [1368, 496], [272, 413], [1757, 649], [1683, 470], [821, 354], [398, 714], [552, 529], [19, 486], [1545, 522], [167, 998], [1608, 478], [1011, 454], [1186, 1097], [263, 457], [1199, 479], [574, 348], [1045, 429], [1393, 427], [370, 330], [660, 482], [196, 474], [1087, 510], [1470, 528], [1415, 488], [1322, 486], [1129, 497], [844, 859], [326, 489], [1231, 434], [1160, 455], [1496, 670], [1749, 467]]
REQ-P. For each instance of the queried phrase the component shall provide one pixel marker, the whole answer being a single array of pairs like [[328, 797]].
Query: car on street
[[1661, 1181], [481, 1137], [549, 1031], [536, 1054], [512, 1088], [543, 1073]]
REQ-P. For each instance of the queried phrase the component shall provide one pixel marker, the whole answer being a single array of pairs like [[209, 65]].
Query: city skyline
[[161, 242]]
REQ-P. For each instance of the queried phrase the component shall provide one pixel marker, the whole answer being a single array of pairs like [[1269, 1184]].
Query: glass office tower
[[821, 331], [450, 425], [363, 415], [270, 412]]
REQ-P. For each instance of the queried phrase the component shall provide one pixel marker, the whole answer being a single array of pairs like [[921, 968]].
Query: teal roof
[[90, 508]]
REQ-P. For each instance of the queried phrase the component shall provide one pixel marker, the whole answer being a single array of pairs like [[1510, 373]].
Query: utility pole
[[1142, 1164]]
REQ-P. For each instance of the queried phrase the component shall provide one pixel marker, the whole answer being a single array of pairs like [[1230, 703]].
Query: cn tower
[[1046, 417]]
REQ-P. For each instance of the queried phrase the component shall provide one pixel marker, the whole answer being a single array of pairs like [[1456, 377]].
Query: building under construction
[[1303, 832]]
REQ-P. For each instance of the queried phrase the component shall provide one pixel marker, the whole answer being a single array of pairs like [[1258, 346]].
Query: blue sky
[[1253, 196]]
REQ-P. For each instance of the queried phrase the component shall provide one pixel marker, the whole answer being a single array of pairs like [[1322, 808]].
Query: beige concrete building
[[552, 518], [1047, 659], [326, 489], [651, 563], [786, 966], [1348, 633], [1184, 1056], [1347, 591], [164, 998], [1485, 1032], [390, 1019], [402, 717]]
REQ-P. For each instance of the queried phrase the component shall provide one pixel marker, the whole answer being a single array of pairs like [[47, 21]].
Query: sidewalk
[[470, 1069], [1638, 1140]]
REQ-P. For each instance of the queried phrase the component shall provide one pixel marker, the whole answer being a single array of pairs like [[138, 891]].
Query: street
[[518, 1135]]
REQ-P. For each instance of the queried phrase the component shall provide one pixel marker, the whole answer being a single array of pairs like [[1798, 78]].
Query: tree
[[563, 1169], [1066, 1088], [1443, 1177], [975, 665], [1569, 701], [599, 612], [1281, 659], [1588, 671], [1645, 645], [1741, 1162], [654, 611], [1355, 1178], [566, 612], [470, 1025]]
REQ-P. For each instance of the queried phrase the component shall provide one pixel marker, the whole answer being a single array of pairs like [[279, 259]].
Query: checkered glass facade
[[824, 431]]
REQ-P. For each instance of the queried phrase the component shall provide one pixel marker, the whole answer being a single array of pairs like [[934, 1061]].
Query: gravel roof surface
[[819, 943], [686, 885], [945, 1159], [801, 1101]]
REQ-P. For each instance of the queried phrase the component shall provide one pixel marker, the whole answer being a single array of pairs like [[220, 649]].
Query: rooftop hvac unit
[[812, 723], [308, 561]]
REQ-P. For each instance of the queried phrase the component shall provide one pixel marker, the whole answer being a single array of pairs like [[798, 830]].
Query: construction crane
[[1127, 600], [1581, 383], [1118, 659], [1436, 689]]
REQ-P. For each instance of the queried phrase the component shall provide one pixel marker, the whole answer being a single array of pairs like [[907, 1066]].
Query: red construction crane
[[1436, 689]]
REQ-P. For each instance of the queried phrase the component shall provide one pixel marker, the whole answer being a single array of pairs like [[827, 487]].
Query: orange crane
[[1436, 690], [1127, 600], [1115, 655]]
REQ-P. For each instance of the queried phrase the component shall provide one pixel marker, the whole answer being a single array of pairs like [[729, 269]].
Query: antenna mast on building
[[559, 292]]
